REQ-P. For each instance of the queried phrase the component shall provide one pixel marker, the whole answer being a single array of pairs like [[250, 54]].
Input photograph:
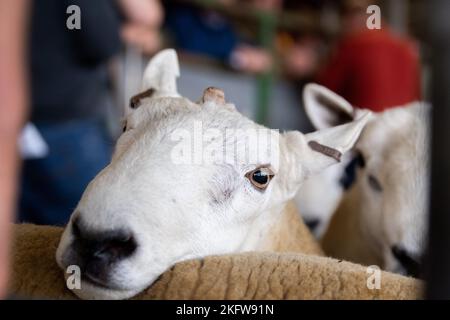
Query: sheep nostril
[[111, 249], [100, 250], [101, 254], [312, 224], [116, 248], [76, 232], [407, 261]]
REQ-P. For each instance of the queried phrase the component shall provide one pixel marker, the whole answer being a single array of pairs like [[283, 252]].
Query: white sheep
[[382, 220], [154, 205], [319, 196]]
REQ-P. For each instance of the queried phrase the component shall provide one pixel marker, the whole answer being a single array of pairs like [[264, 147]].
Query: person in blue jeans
[[70, 96], [52, 186], [69, 87]]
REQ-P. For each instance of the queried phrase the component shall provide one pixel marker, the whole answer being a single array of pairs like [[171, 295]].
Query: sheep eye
[[124, 126], [260, 177], [374, 183], [360, 160]]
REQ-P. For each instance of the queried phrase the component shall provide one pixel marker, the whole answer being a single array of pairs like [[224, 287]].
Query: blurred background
[[260, 52]]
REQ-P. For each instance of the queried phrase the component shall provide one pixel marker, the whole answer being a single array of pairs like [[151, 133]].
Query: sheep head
[[392, 168], [186, 180]]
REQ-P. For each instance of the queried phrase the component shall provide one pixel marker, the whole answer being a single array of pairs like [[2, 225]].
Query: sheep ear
[[159, 80], [161, 74], [325, 108], [316, 151]]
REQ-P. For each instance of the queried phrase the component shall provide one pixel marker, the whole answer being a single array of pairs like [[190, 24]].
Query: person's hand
[[141, 28], [147, 13], [301, 60], [251, 59], [146, 39]]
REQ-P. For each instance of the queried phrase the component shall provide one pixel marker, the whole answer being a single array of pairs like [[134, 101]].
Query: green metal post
[[267, 27]]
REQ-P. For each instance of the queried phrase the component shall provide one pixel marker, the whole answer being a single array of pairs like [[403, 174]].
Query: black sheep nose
[[96, 252], [113, 248], [312, 224], [409, 263]]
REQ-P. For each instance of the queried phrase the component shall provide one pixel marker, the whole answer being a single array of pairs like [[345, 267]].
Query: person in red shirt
[[374, 69]]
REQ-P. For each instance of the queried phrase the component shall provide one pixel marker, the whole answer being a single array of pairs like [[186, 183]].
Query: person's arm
[[13, 106], [141, 25]]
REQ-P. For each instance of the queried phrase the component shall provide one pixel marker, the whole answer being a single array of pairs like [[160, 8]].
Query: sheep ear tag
[[328, 151], [328, 145]]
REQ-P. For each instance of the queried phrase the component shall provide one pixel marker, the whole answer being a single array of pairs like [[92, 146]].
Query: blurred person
[[250, 58], [207, 32], [70, 96], [13, 109], [302, 58], [142, 12], [14, 22], [374, 69], [69, 100], [143, 20]]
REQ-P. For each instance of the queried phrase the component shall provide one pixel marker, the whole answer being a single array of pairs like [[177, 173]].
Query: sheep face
[[164, 199], [165, 209], [391, 175], [315, 208], [392, 178]]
